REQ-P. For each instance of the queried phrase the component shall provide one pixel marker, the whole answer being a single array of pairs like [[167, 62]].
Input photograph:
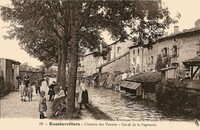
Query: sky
[[189, 10]]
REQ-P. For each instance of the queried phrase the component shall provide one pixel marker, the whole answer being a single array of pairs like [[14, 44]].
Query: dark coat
[[51, 89], [26, 80], [85, 96]]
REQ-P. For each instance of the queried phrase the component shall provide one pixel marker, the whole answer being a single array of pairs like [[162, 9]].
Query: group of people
[[55, 92], [81, 97], [26, 92], [25, 89]]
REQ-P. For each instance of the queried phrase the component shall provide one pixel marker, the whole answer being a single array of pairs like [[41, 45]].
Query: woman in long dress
[[83, 96]]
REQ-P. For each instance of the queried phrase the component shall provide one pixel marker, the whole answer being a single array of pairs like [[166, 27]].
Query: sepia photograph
[[100, 63]]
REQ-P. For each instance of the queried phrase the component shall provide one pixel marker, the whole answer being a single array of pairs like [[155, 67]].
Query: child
[[30, 93], [37, 86], [42, 105], [22, 89]]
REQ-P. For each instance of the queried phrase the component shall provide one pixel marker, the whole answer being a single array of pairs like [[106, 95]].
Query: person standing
[[83, 96], [19, 79], [30, 92], [42, 105], [37, 86], [22, 89], [47, 81], [26, 80], [51, 92]]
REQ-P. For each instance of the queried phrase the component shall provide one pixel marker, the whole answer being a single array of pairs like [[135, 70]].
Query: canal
[[118, 106]]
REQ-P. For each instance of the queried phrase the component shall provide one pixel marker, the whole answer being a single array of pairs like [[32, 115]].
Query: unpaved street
[[12, 107]]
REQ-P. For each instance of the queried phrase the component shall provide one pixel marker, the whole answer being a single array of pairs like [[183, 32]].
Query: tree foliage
[[54, 31]]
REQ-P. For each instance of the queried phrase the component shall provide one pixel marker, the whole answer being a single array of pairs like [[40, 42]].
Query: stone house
[[142, 59], [179, 47], [117, 66], [9, 70], [89, 63]]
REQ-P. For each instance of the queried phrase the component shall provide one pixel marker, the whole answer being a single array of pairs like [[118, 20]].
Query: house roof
[[133, 46], [149, 77], [114, 42], [193, 61], [13, 61], [113, 60], [184, 32], [130, 85]]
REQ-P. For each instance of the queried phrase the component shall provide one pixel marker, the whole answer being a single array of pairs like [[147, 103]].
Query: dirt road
[[12, 107]]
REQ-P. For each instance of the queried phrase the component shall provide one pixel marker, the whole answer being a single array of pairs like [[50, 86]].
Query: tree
[[24, 67], [58, 29]]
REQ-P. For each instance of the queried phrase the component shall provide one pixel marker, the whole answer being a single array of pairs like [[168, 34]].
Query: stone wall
[[119, 49], [186, 44], [121, 64]]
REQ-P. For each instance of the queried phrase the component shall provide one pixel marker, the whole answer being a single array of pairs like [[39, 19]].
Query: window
[[164, 52], [133, 52], [138, 51], [152, 59], [118, 49], [175, 51], [175, 39]]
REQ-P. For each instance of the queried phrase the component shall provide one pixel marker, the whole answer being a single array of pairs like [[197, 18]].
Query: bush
[[173, 97]]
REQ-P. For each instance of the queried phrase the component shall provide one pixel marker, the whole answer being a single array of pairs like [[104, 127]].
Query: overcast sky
[[189, 10]]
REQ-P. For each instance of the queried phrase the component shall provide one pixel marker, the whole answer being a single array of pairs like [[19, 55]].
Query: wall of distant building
[[180, 48], [89, 64], [117, 65], [119, 48], [9, 70]]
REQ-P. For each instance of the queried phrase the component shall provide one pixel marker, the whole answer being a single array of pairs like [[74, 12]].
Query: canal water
[[120, 107]]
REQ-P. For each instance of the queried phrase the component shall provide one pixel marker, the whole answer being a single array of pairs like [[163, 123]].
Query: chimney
[[176, 29]]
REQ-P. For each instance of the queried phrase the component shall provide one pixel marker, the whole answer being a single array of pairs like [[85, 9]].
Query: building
[[33, 75], [179, 52], [9, 70], [89, 64], [117, 66], [142, 59], [177, 48]]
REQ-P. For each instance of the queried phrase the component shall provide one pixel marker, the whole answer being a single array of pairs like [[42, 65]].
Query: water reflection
[[120, 106]]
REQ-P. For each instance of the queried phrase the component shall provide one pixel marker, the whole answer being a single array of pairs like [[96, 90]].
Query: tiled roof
[[113, 60], [193, 60], [149, 77], [130, 85], [186, 31]]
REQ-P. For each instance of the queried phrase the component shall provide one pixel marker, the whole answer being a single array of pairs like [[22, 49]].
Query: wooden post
[[191, 71]]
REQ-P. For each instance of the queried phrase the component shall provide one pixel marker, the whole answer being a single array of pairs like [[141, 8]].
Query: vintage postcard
[[100, 64]]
